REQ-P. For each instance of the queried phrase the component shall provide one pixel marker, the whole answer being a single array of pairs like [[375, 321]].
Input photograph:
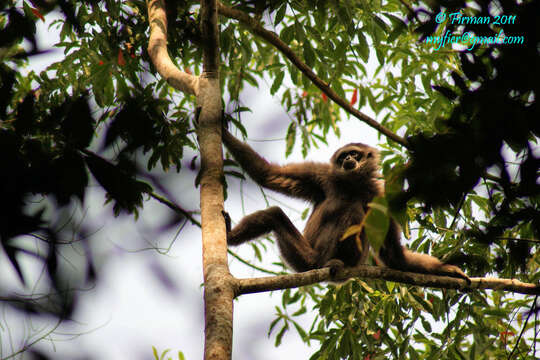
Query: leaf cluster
[[89, 114], [381, 320], [487, 145]]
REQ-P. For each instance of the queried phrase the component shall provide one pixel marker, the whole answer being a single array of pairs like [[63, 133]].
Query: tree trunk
[[218, 282]]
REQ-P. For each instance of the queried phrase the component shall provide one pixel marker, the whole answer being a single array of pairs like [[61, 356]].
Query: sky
[[130, 310]]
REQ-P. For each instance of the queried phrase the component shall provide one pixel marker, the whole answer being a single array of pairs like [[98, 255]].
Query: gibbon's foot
[[227, 220], [196, 117], [225, 119], [335, 266], [453, 271]]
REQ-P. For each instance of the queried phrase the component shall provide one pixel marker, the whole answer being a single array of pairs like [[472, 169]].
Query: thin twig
[[176, 208], [245, 262], [29, 345], [524, 327]]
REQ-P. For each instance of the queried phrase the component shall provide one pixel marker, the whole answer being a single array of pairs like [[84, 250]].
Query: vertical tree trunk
[[218, 283]]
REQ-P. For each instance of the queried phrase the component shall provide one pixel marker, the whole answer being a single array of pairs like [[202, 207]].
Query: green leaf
[[300, 33], [287, 34], [165, 352], [426, 82], [380, 23], [377, 222], [285, 297], [300, 331], [290, 138], [277, 82], [426, 325], [297, 296], [309, 54], [257, 251], [294, 73], [305, 140], [341, 50], [305, 82], [362, 47], [240, 109], [399, 27], [280, 14], [272, 325], [482, 202], [495, 312], [366, 287], [280, 334], [439, 217], [236, 174], [250, 79], [300, 311], [380, 55]]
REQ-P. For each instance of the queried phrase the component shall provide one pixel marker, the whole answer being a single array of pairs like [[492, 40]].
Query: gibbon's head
[[357, 159]]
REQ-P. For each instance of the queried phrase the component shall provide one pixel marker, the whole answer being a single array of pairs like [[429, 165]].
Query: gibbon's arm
[[297, 180]]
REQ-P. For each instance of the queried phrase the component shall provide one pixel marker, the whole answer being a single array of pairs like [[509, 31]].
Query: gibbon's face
[[356, 158]]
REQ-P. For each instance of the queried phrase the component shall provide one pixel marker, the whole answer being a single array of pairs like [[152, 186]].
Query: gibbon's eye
[[357, 155], [354, 154], [369, 155]]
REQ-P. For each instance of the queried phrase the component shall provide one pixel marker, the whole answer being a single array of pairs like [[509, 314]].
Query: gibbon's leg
[[394, 255], [295, 249]]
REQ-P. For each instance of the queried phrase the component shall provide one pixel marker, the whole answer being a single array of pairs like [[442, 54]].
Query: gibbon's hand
[[227, 220]]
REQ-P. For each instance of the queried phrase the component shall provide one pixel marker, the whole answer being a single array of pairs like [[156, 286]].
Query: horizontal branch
[[271, 37], [157, 49], [254, 285]]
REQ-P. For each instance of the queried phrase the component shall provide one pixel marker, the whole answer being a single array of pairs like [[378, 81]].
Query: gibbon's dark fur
[[340, 192]]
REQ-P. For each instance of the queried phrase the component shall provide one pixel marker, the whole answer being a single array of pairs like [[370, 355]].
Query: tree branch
[[157, 49], [256, 28], [254, 285]]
